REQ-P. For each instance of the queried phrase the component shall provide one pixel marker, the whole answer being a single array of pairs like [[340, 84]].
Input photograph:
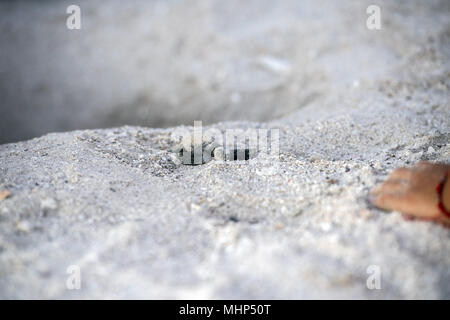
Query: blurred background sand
[[166, 63]]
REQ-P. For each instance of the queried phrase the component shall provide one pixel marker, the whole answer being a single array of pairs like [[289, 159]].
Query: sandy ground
[[350, 104]]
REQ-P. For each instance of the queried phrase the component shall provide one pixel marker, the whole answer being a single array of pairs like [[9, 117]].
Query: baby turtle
[[207, 151]]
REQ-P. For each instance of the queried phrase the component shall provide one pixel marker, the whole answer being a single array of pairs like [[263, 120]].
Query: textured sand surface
[[351, 104]]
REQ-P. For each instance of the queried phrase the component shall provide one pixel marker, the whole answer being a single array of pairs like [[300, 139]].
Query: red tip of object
[[443, 210], [439, 190]]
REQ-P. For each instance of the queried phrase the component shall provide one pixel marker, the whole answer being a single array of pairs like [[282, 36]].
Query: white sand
[[351, 104]]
